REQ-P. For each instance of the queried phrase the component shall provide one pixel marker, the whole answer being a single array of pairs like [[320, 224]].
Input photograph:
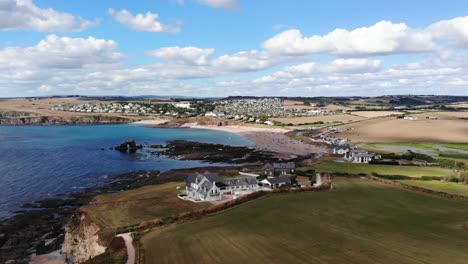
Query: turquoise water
[[39, 162]]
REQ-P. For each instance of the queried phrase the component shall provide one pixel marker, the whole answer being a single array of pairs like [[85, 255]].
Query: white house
[[340, 149], [203, 188], [183, 105], [276, 182], [209, 187], [361, 156]]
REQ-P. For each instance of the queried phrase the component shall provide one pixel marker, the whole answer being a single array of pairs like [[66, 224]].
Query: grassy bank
[[361, 221], [440, 186], [135, 206], [354, 168]]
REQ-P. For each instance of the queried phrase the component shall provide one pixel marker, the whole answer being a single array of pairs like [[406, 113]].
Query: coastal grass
[[361, 221], [132, 207], [429, 147], [440, 186], [356, 169]]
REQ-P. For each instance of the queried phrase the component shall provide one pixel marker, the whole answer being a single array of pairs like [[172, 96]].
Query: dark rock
[[128, 145]]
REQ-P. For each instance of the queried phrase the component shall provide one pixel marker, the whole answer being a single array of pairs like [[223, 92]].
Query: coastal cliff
[[82, 241], [24, 118]]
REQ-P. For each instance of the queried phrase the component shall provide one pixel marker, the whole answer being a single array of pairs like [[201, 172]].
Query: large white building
[[209, 187], [361, 156]]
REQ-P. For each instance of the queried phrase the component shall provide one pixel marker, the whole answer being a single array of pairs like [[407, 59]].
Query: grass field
[[362, 221], [139, 205], [354, 168], [440, 186], [454, 151]]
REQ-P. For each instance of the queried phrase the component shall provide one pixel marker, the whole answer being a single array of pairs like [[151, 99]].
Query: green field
[[355, 168], [361, 221], [440, 186], [431, 147], [139, 205]]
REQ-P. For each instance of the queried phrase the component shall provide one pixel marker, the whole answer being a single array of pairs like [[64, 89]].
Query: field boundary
[[420, 189], [141, 229]]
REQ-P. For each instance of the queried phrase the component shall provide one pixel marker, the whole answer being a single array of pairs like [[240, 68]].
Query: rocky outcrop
[[129, 145], [81, 239]]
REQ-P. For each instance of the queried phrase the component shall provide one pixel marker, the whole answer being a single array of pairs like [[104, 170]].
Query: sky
[[216, 48]]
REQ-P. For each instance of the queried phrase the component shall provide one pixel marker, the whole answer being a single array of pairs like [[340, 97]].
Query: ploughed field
[[448, 128], [361, 221], [356, 169]]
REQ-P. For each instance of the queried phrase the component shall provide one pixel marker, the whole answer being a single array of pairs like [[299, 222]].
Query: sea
[[38, 162]]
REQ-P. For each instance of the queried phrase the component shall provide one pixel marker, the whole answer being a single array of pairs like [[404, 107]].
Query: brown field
[[296, 105], [371, 114], [292, 104], [344, 118], [334, 107], [459, 105], [388, 129], [444, 115]]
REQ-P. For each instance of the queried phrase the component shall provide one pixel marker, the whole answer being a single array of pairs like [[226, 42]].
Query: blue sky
[[228, 47]]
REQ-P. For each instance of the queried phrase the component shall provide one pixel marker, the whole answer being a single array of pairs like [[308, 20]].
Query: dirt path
[[127, 237]]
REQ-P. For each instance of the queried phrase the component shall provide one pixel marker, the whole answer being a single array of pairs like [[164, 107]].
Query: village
[[249, 110]]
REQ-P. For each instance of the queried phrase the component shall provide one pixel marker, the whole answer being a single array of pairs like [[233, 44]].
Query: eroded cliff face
[[18, 119], [81, 239]]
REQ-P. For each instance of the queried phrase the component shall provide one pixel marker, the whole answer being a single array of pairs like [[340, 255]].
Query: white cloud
[[224, 4], [60, 53], [184, 55], [24, 14], [142, 22], [305, 70], [380, 39], [455, 30], [245, 61]]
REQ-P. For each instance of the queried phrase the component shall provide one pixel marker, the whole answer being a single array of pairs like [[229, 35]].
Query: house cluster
[[251, 107], [120, 108], [355, 155], [210, 187]]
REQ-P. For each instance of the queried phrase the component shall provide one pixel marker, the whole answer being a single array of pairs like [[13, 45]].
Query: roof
[[239, 181], [289, 165], [277, 180], [340, 147], [359, 155], [209, 176]]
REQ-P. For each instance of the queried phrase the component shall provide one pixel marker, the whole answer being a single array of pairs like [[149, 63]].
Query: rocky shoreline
[[39, 227], [25, 119]]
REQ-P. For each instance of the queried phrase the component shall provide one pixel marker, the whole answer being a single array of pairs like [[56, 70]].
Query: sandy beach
[[151, 122], [271, 139]]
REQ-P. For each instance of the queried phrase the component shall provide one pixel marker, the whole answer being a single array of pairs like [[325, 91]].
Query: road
[[127, 237]]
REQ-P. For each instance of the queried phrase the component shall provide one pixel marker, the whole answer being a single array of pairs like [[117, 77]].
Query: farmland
[[362, 221], [354, 168], [372, 114], [342, 118], [388, 129], [440, 186]]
